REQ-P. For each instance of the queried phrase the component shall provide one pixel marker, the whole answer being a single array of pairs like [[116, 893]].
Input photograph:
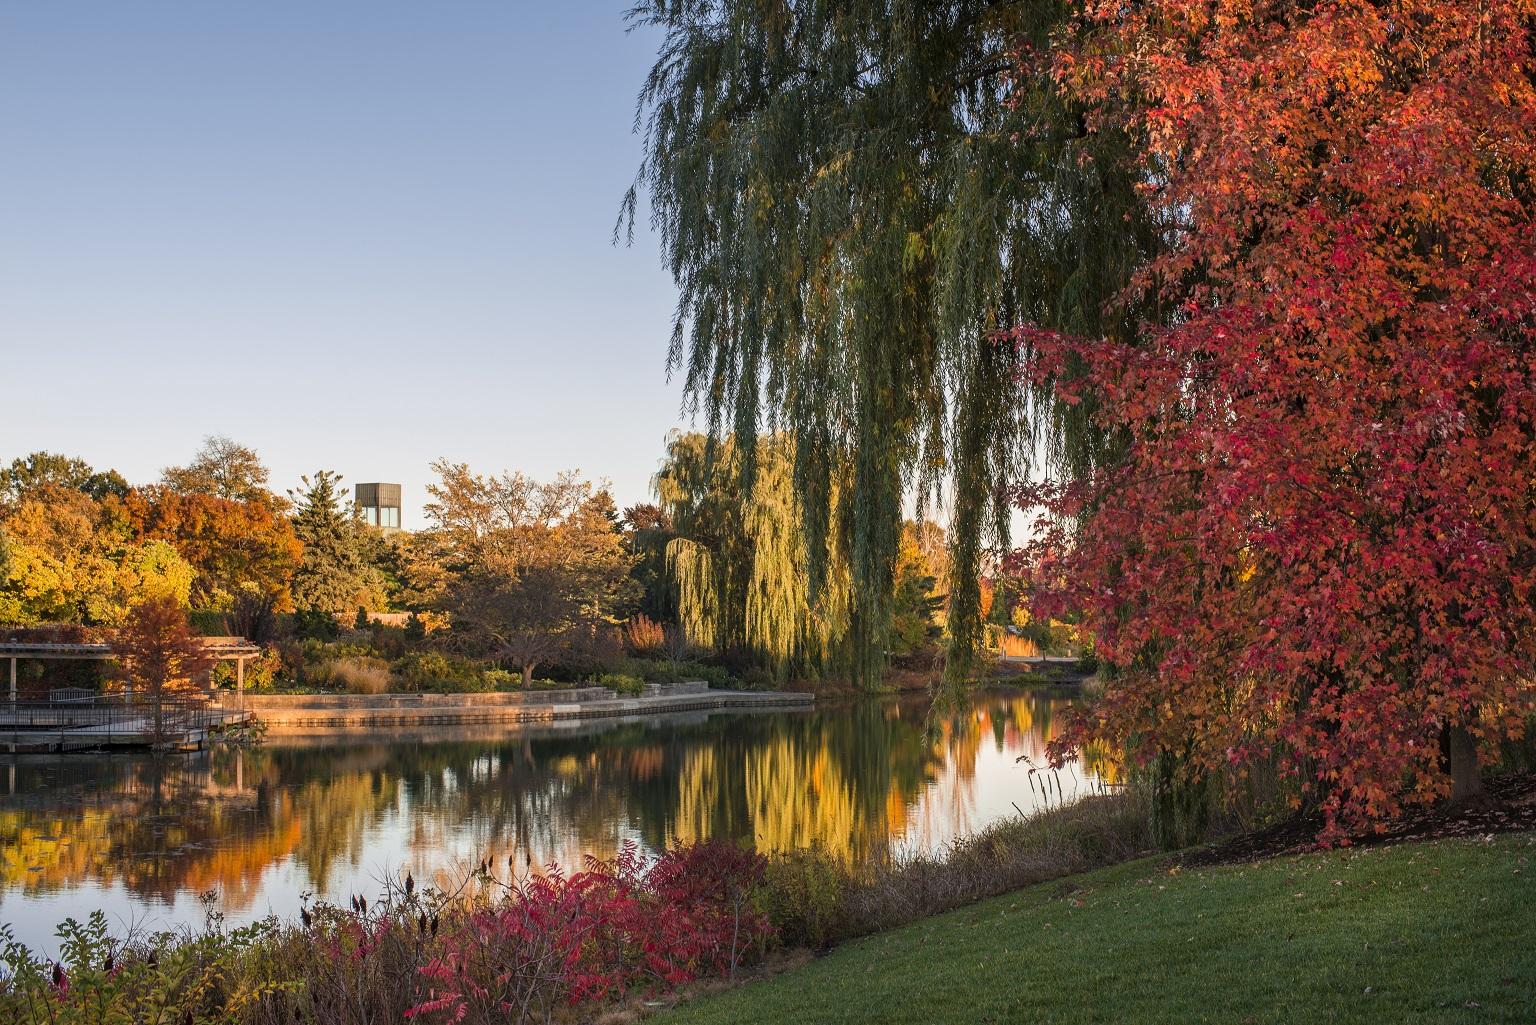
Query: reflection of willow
[[831, 780], [851, 779]]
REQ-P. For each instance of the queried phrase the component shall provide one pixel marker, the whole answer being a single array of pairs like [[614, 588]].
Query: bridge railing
[[111, 714]]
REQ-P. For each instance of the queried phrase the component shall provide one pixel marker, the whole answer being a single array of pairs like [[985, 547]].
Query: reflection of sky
[[962, 799], [561, 803]]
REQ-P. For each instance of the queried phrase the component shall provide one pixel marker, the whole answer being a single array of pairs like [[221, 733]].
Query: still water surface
[[261, 827]]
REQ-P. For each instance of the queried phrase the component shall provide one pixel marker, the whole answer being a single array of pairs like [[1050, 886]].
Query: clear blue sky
[[355, 234]]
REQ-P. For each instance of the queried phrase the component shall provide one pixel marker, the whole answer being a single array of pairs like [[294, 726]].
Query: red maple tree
[[1319, 543]]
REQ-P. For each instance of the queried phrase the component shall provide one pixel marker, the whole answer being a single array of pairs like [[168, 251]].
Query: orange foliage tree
[[157, 656], [1319, 543], [245, 553]]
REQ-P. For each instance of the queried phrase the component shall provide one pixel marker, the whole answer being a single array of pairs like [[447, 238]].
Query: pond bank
[[342, 713], [1421, 932]]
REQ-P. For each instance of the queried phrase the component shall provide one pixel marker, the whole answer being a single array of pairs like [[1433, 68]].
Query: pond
[[143, 839]]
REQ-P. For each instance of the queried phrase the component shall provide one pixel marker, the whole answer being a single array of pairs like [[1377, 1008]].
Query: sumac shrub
[[615, 927]]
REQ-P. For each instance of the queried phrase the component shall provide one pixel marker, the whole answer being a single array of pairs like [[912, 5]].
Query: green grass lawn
[[1431, 932]]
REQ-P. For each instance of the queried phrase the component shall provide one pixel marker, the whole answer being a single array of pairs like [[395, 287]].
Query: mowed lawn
[[1443, 931]]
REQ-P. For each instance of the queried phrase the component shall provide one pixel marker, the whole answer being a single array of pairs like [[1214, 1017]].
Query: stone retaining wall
[[364, 713]]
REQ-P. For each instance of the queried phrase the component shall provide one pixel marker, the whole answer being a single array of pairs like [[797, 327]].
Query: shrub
[[804, 894], [261, 672], [209, 622], [436, 672], [315, 624], [757, 678], [615, 927], [98, 979], [621, 683], [354, 674], [644, 636]]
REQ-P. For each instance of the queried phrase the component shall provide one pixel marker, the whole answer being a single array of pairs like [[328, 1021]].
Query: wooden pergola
[[223, 649]]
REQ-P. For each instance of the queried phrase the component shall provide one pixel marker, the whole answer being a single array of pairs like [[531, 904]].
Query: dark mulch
[[1511, 807]]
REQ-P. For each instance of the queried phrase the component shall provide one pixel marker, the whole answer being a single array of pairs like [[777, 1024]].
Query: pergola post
[[240, 683], [13, 679]]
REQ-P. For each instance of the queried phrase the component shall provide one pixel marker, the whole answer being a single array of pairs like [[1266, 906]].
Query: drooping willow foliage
[[853, 195], [739, 561]]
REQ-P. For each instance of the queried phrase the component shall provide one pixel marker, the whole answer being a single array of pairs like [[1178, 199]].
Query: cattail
[[107, 965], [154, 959], [434, 925], [410, 884], [362, 904], [304, 917], [354, 903], [60, 980], [421, 924]]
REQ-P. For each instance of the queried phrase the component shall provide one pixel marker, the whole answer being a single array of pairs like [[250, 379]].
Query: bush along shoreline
[[510, 948]]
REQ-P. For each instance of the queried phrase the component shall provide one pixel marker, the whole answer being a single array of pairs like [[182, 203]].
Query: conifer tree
[[335, 571]]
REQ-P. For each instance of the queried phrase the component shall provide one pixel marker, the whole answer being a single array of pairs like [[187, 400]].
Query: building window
[[371, 514], [389, 516]]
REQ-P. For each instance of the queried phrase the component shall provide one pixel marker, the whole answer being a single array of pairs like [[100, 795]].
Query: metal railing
[[111, 715]]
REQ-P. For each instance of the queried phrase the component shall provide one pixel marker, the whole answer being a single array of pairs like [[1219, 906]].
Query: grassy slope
[[1436, 932]]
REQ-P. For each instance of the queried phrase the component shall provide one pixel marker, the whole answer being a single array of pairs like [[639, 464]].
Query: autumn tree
[[72, 559], [335, 577], [46, 469], [918, 602], [224, 469], [245, 553], [157, 656], [1319, 545], [527, 571]]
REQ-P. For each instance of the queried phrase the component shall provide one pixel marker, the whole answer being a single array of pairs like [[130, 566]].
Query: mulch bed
[[1511, 808]]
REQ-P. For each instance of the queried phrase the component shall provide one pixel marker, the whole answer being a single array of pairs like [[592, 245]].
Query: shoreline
[[289, 714]]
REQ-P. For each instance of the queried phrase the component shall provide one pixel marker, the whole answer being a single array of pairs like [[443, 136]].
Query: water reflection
[[142, 838]]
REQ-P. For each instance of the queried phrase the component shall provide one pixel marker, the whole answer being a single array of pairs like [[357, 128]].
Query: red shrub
[[614, 927]]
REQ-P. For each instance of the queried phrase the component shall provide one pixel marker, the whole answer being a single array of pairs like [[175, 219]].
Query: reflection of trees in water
[[850, 779], [156, 826]]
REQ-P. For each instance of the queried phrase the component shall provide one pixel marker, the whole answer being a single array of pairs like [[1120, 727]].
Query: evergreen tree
[[335, 573]]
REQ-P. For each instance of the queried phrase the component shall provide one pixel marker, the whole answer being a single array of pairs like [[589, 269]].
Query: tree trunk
[[1461, 762], [527, 675]]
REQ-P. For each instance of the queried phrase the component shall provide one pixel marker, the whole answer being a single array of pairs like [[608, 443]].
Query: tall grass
[[356, 675], [814, 900]]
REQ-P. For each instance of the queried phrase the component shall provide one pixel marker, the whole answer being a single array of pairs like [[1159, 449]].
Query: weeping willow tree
[[739, 561], [853, 196]]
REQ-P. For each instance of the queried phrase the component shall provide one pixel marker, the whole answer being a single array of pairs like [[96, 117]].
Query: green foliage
[[435, 672], [620, 683], [335, 577], [852, 198], [261, 673], [102, 981], [30, 474], [805, 895], [739, 562]]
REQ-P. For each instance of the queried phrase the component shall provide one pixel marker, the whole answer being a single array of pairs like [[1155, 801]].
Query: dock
[[78, 721]]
